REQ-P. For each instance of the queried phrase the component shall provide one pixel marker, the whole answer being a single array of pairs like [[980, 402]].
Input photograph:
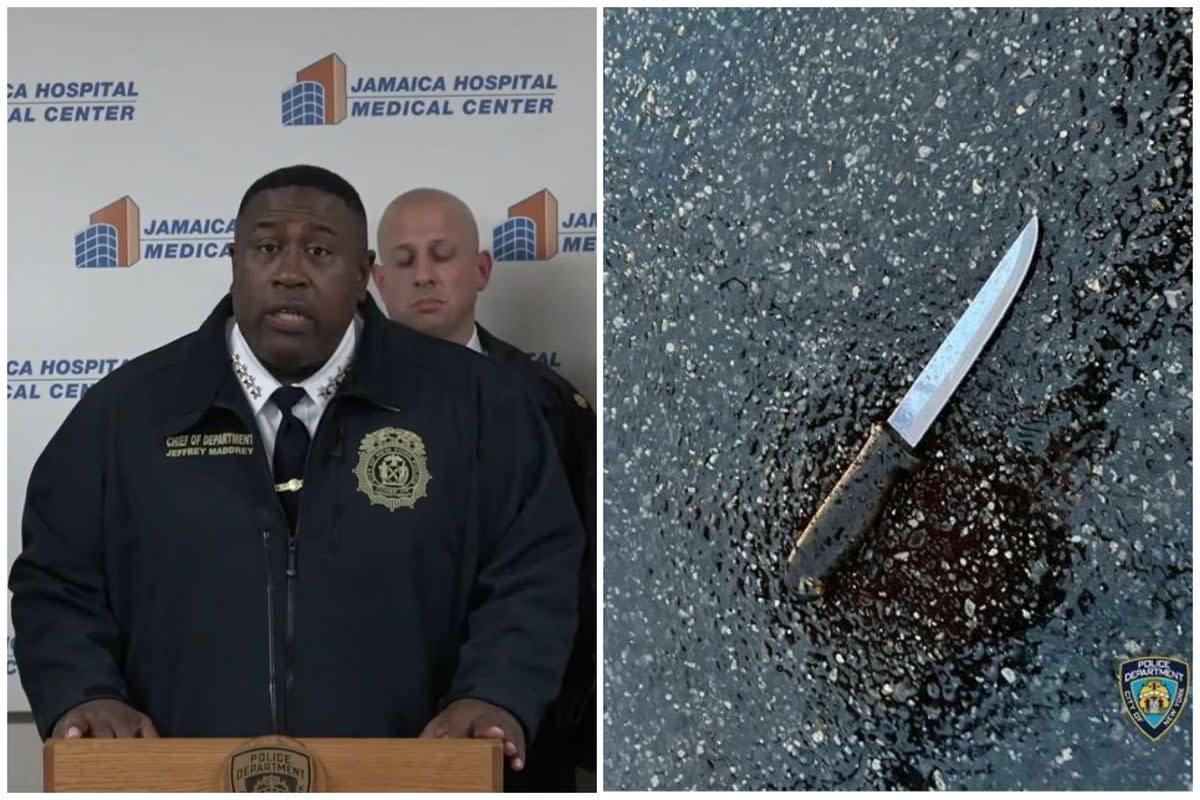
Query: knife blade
[[855, 502]]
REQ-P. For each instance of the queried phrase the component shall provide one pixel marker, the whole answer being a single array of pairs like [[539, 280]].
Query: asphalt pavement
[[798, 206]]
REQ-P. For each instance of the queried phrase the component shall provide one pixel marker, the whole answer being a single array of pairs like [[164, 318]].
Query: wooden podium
[[342, 765]]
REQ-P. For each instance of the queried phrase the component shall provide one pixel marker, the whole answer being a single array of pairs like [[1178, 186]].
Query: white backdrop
[[180, 110]]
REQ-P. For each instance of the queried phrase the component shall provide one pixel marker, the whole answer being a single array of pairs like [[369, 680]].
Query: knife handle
[[849, 511]]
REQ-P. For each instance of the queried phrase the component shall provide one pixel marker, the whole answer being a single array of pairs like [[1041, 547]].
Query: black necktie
[[291, 449]]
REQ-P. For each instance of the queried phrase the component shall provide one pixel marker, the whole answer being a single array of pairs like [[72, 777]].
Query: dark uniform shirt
[[569, 734], [436, 554]]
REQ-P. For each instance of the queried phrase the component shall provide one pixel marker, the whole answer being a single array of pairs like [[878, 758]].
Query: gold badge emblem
[[272, 764], [391, 468], [580, 401]]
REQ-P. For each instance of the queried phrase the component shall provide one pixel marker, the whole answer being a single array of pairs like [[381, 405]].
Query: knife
[[856, 501]]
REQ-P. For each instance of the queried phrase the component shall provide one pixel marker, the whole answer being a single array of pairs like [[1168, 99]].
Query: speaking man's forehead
[[296, 199], [319, 211]]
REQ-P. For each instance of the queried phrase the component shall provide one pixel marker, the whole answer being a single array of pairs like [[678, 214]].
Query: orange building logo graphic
[[112, 237], [531, 231], [319, 94]]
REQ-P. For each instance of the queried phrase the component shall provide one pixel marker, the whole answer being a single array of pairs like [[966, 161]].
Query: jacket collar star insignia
[[258, 384], [330, 387], [245, 377]]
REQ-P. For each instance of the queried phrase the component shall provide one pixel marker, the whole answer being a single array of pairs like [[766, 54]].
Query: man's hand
[[474, 719], [103, 719]]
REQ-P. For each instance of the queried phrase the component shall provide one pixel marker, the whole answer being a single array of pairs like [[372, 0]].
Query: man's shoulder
[[143, 375], [136, 392], [550, 387], [436, 360]]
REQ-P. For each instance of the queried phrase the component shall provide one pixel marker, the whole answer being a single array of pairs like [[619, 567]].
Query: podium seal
[[272, 764]]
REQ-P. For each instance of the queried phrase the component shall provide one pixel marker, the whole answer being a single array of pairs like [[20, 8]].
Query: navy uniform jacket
[[573, 425], [437, 553]]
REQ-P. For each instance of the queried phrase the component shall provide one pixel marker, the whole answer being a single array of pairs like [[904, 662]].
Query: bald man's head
[[430, 266], [456, 212]]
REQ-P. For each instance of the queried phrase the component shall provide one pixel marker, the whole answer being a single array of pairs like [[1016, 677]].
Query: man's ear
[[485, 270], [365, 268]]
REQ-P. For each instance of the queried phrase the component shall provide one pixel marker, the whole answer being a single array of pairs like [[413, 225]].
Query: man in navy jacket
[[431, 270], [414, 570]]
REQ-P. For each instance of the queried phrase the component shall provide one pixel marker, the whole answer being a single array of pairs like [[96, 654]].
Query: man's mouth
[[427, 304], [288, 319]]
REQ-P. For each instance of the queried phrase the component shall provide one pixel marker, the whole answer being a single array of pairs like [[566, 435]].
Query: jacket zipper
[[280, 722], [290, 635], [271, 674], [289, 649], [289, 630]]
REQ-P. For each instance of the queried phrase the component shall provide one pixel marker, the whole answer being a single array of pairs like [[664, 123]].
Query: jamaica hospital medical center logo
[[323, 95], [532, 233], [115, 237]]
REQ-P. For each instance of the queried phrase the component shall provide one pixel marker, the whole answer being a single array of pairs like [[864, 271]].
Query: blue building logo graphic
[[111, 238], [531, 231], [318, 96]]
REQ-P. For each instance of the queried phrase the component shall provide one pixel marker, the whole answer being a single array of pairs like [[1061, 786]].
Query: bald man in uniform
[[430, 274]]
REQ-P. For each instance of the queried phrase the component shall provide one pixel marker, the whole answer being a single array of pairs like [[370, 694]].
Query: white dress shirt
[[258, 384], [475, 344]]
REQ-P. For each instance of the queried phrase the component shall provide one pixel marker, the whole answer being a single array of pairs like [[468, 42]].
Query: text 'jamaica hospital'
[[481, 95], [324, 95]]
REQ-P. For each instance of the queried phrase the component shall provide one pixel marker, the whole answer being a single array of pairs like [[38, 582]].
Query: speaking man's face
[[300, 267]]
